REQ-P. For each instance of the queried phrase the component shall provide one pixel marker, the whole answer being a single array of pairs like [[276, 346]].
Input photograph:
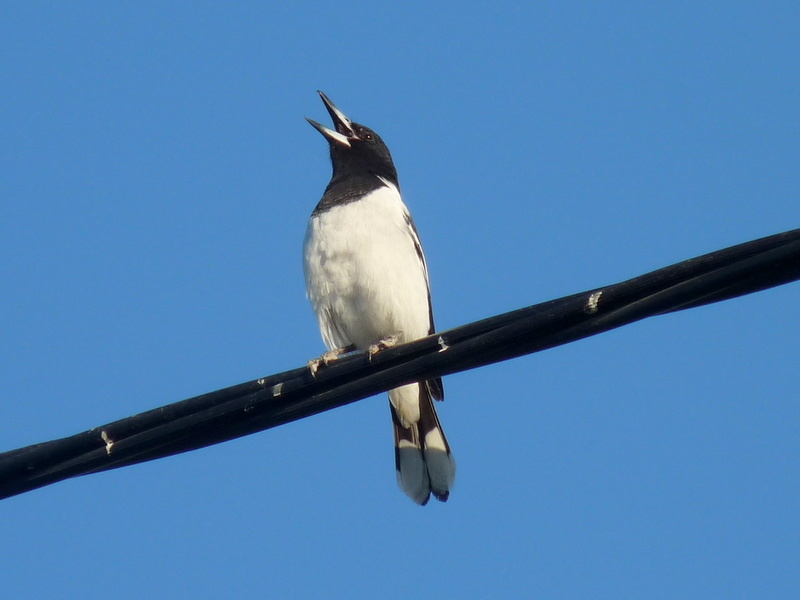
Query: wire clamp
[[109, 442], [591, 304]]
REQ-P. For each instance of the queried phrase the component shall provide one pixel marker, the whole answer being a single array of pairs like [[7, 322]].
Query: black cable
[[271, 401]]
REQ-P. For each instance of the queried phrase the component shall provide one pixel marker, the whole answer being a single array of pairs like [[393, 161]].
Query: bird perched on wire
[[367, 280]]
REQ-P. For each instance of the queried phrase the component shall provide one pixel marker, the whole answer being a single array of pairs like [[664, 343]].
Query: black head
[[356, 150]]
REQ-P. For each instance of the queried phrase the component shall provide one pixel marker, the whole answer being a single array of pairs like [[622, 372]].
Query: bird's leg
[[329, 357], [383, 344]]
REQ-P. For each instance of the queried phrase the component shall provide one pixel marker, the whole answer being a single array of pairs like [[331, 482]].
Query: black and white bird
[[367, 281]]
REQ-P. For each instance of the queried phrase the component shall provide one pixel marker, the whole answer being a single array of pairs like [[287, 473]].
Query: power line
[[271, 401]]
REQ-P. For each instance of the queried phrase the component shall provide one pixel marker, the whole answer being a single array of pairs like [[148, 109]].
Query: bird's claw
[[383, 344], [327, 358]]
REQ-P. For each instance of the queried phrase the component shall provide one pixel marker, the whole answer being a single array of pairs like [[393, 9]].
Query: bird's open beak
[[344, 128]]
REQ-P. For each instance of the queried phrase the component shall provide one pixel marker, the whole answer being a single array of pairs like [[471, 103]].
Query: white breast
[[364, 276]]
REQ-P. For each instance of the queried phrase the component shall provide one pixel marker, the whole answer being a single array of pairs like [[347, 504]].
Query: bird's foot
[[383, 344], [327, 358]]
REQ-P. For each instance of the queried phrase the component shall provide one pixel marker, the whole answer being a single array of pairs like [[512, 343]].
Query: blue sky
[[156, 177]]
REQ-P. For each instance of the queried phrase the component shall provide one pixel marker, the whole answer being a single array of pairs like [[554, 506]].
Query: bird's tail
[[423, 459]]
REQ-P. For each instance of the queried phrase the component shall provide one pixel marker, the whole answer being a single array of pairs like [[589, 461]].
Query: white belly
[[364, 277]]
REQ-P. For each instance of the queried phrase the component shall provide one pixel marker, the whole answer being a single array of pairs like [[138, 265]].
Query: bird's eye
[[367, 136]]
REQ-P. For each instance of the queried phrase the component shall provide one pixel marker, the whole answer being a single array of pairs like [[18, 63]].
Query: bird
[[367, 280]]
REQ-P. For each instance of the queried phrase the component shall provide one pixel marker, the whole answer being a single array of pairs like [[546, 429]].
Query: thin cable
[[271, 401]]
